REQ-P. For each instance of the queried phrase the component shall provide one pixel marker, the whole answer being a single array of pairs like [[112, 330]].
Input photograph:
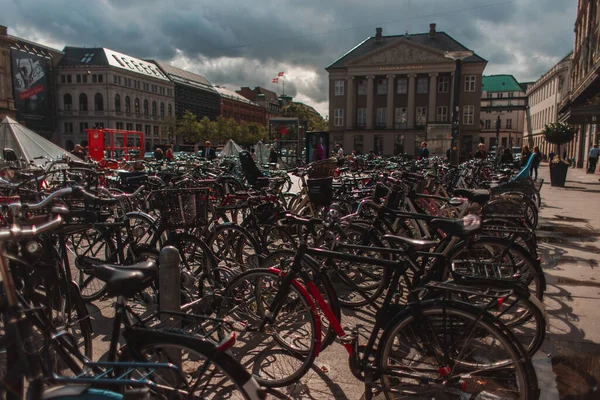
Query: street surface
[[568, 364]]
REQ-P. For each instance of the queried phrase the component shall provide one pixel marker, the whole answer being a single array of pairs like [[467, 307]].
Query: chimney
[[3, 30], [431, 31], [379, 34]]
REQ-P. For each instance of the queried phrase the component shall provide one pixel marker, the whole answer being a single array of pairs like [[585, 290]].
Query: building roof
[[270, 96], [178, 75], [442, 42], [101, 56], [500, 83], [32, 47], [230, 94]]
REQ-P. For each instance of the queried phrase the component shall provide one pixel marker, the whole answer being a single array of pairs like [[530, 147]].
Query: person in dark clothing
[[371, 155], [481, 154], [208, 152], [79, 152], [158, 154], [424, 151], [525, 153], [169, 154], [273, 156], [535, 163], [507, 157]]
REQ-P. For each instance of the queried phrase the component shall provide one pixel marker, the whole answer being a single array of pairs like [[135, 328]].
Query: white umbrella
[[230, 149]]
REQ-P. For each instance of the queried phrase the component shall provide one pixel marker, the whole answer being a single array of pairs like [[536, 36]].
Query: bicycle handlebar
[[21, 232]]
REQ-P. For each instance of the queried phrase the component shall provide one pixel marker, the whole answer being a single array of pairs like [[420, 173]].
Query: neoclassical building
[[389, 93], [104, 88]]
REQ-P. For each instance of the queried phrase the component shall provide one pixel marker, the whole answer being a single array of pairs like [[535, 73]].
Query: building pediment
[[401, 52]]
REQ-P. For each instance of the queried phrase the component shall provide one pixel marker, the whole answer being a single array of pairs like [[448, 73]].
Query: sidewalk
[[569, 241]]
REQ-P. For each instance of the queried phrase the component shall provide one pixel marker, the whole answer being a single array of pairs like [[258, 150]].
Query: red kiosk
[[114, 143]]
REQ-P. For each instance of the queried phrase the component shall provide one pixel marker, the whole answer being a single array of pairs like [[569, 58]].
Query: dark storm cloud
[[523, 37]]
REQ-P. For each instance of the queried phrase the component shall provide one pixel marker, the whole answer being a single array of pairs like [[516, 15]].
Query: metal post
[[169, 290], [498, 136], [456, 113]]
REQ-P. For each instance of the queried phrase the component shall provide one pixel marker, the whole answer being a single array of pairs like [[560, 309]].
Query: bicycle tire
[[232, 246]]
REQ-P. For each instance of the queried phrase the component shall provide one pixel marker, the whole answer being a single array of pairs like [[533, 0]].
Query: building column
[[370, 90], [432, 96], [411, 101], [350, 103], [390, 102]]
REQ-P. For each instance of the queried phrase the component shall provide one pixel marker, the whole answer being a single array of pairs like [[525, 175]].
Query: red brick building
[[238, 107], [265, 98]]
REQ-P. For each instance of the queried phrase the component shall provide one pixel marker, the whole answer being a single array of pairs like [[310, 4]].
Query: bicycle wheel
[[283, 260], [280, 352], [233, 247], [278, 238], [444, 350], [205, 371]]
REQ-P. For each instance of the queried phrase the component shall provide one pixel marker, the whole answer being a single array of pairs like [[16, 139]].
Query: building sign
[[401, 68], [32, 90]]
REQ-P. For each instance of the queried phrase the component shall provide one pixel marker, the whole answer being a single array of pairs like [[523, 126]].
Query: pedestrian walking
[[169, 154], [158, 154], [481, 154], [525, 154], [593, 159], [424, 151], [535, 163]]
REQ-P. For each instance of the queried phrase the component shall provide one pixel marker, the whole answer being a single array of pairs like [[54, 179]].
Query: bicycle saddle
[[411, 244], [121, 280], [480, 196], [454, 227]]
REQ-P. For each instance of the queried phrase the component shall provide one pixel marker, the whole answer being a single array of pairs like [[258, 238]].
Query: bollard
[[169, 292]]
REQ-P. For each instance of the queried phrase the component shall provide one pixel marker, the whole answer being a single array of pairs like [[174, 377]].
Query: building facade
[[27, 87], [265, 98], [193, 93], [238, 107], [581, 106], [543, 99], [503, 107], [103, 88], [389, 93]]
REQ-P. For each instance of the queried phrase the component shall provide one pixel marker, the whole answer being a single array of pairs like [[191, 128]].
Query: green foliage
[[188, 127], [559, 133], [316, 123]]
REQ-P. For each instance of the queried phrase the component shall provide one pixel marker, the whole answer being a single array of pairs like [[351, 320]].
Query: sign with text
[[32, 95]]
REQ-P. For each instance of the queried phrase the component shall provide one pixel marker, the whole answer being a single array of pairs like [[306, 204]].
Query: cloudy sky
[[247, 42]]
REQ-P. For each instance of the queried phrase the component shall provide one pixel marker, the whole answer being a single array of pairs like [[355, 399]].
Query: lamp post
[[458, 57]]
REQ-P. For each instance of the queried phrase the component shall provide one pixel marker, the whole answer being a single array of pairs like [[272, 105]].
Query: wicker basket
[[181, 208], [323, 168]]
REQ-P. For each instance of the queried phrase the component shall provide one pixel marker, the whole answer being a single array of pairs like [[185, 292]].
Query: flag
[[275, 80], [280, 74]]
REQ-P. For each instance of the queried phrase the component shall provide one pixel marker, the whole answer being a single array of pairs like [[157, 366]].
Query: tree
[[305, 114], [188, 127], [168, 126], [559, 133], [207, 129]]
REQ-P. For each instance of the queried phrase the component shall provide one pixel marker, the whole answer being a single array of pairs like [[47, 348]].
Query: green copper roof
[[500, 83]]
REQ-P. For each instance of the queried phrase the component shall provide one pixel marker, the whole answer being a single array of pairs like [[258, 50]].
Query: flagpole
[[283, 83]]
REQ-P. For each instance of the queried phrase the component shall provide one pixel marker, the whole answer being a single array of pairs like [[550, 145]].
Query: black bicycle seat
[[121, 280], [480, 196], [454, 227], [413, 244]]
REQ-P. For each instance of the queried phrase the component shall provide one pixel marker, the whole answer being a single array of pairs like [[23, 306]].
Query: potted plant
[[558, 133]]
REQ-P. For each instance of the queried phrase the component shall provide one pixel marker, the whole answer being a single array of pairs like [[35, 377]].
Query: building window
[[468, 115], [359, 144], [129, 126], [170, 109], [400, 118], [378, 144], [155, 130], [398, 144], [487, 124], [138, 127], [78, 78], [100, 78], [470, 83], [63, 79], [162, 110], [83, 102], [489, 95], [402, 86], [381, 86], [148, 130], [421, 117], [511, 95], [146, 109], [94, 78], [84, 78], [98, 102], [508, 123], [361, 117], [338, 119], [339, 88], [443, 84], [442, 114], [422, 85], [117, 103], [68, 127], [115, 79], [154, 112], [83, 126], [500, 95], [362, 87], [69, 79], [120, 125], [127, 104], [380, 121], [68, 102], [136, 106], [119, 80]]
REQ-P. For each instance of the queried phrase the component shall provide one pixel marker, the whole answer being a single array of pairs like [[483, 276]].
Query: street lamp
[[457, 56]]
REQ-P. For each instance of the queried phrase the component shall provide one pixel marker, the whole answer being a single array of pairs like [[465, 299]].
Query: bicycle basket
[[323, 168], [380, 191], [320, 191], [181, 208]]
